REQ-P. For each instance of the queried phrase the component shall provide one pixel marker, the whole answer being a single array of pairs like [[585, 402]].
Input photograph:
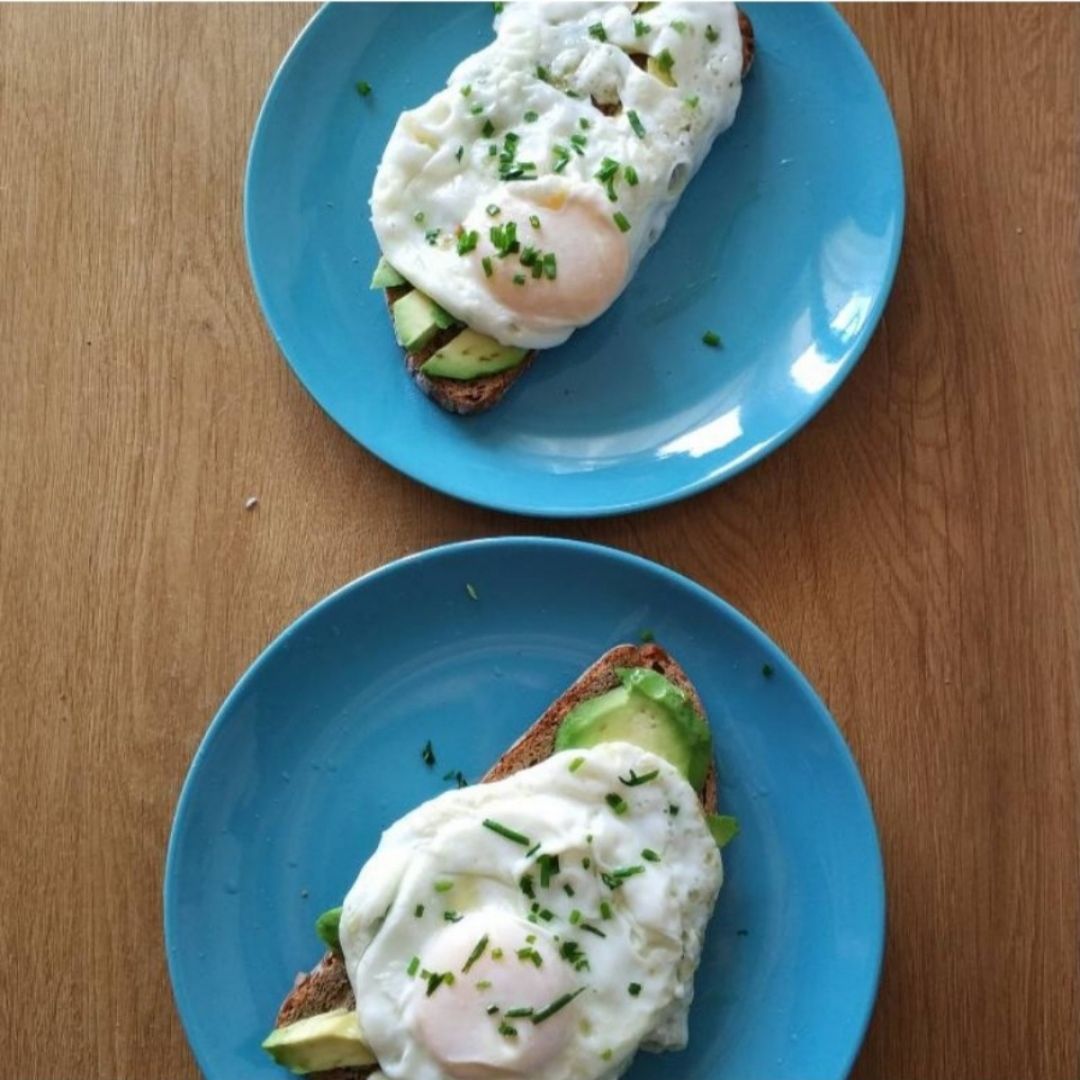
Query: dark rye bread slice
[[465, 397], [327, 986]]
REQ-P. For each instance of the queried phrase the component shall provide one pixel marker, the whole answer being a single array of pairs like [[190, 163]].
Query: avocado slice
[[649, 711], [386, 276], [331, 1040], [471, 355], [417, 318], [654, 68], [326, 926]]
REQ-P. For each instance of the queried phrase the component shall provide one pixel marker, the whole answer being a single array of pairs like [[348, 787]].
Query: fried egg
[[523, 196], [545, 925]]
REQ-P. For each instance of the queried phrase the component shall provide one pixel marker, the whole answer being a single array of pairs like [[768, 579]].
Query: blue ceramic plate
[[317, 750], [785, 244]]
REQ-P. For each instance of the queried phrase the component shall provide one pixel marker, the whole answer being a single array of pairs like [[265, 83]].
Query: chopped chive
[[492, 150], [507, 1030], [617, 803], [578, 142], [534, 221], [576, 764], [466, 90], [452, 916], [636, 781], [523, 1010], [550, 269], [620, 219], [460, 152], [678, 26], [493, 210], [692, 102], [530, 954], [526, 885], [547, 916], [496, 954], [418, 217], [673, 810], [586, 863], [665, 61], [568, 889], [635, 989], [562, 157], [485, 262], [597, 31], [584, 124], [641, 28], [443, 886], [636, 124], [488, 129], [555, 1006], [518, 279], [575, 917], [605, 910], [491, 1009], [711, 35], [419, 911], [649, 855], [712, 339], [631, 175], [543, 74], [467, 242], [431, 236], [537, 269], [476, 109], [414, 966], [549, 867], [531, 117], [508, 834], [428, 754], [532, 851], [593, 930], [607, 1055], [478, 951], [529, 255], [435, 980], [363, 88]]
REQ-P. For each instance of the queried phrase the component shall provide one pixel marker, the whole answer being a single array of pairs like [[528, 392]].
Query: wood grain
[[916, 549]]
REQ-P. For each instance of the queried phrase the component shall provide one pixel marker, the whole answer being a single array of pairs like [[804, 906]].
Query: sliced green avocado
[[724, 828], [471, 355], [648, 711], [652, 66], [386, 276], [417, 318], [330, 1040], [326, 926]]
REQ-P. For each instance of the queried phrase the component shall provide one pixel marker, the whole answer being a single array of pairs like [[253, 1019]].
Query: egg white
[[652, 939], [438, 173]]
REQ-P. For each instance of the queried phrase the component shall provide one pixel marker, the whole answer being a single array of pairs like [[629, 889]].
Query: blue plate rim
[[876, 873], [448, 485]]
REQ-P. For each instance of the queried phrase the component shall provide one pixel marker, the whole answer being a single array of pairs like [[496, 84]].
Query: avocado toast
[[666, 717], [460, 369]]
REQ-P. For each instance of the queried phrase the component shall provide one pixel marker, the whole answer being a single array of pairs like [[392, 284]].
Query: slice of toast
[[468, 396], [327, 987]]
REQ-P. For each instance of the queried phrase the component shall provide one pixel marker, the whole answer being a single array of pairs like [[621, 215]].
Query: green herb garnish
[[414, 966], [767, 670], [478, 951], [620, 219], [711, 35], [531, 117], [636, 124], [467, 242], [508, 1030], [363, 88], [488, 129], [636, 781], [508, 834], [520, 1011], [635, 989], [576, 764], [556, 1006], [641, 28], [712, 339], [632, 179], [649, 855], [427, 755], [617, 803], [597, 31], [485, 262]]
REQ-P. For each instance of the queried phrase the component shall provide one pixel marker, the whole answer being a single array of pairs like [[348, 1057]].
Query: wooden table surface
[[916, 550]]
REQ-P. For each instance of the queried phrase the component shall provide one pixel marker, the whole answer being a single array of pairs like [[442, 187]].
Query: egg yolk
[[468, 1026], [591, 256]]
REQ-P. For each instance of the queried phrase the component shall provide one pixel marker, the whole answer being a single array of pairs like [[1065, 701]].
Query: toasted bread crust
[[327, 986], [465, 397]]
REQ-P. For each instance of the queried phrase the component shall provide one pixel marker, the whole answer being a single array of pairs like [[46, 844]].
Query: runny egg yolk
[[469, 1026], [591, 256]]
